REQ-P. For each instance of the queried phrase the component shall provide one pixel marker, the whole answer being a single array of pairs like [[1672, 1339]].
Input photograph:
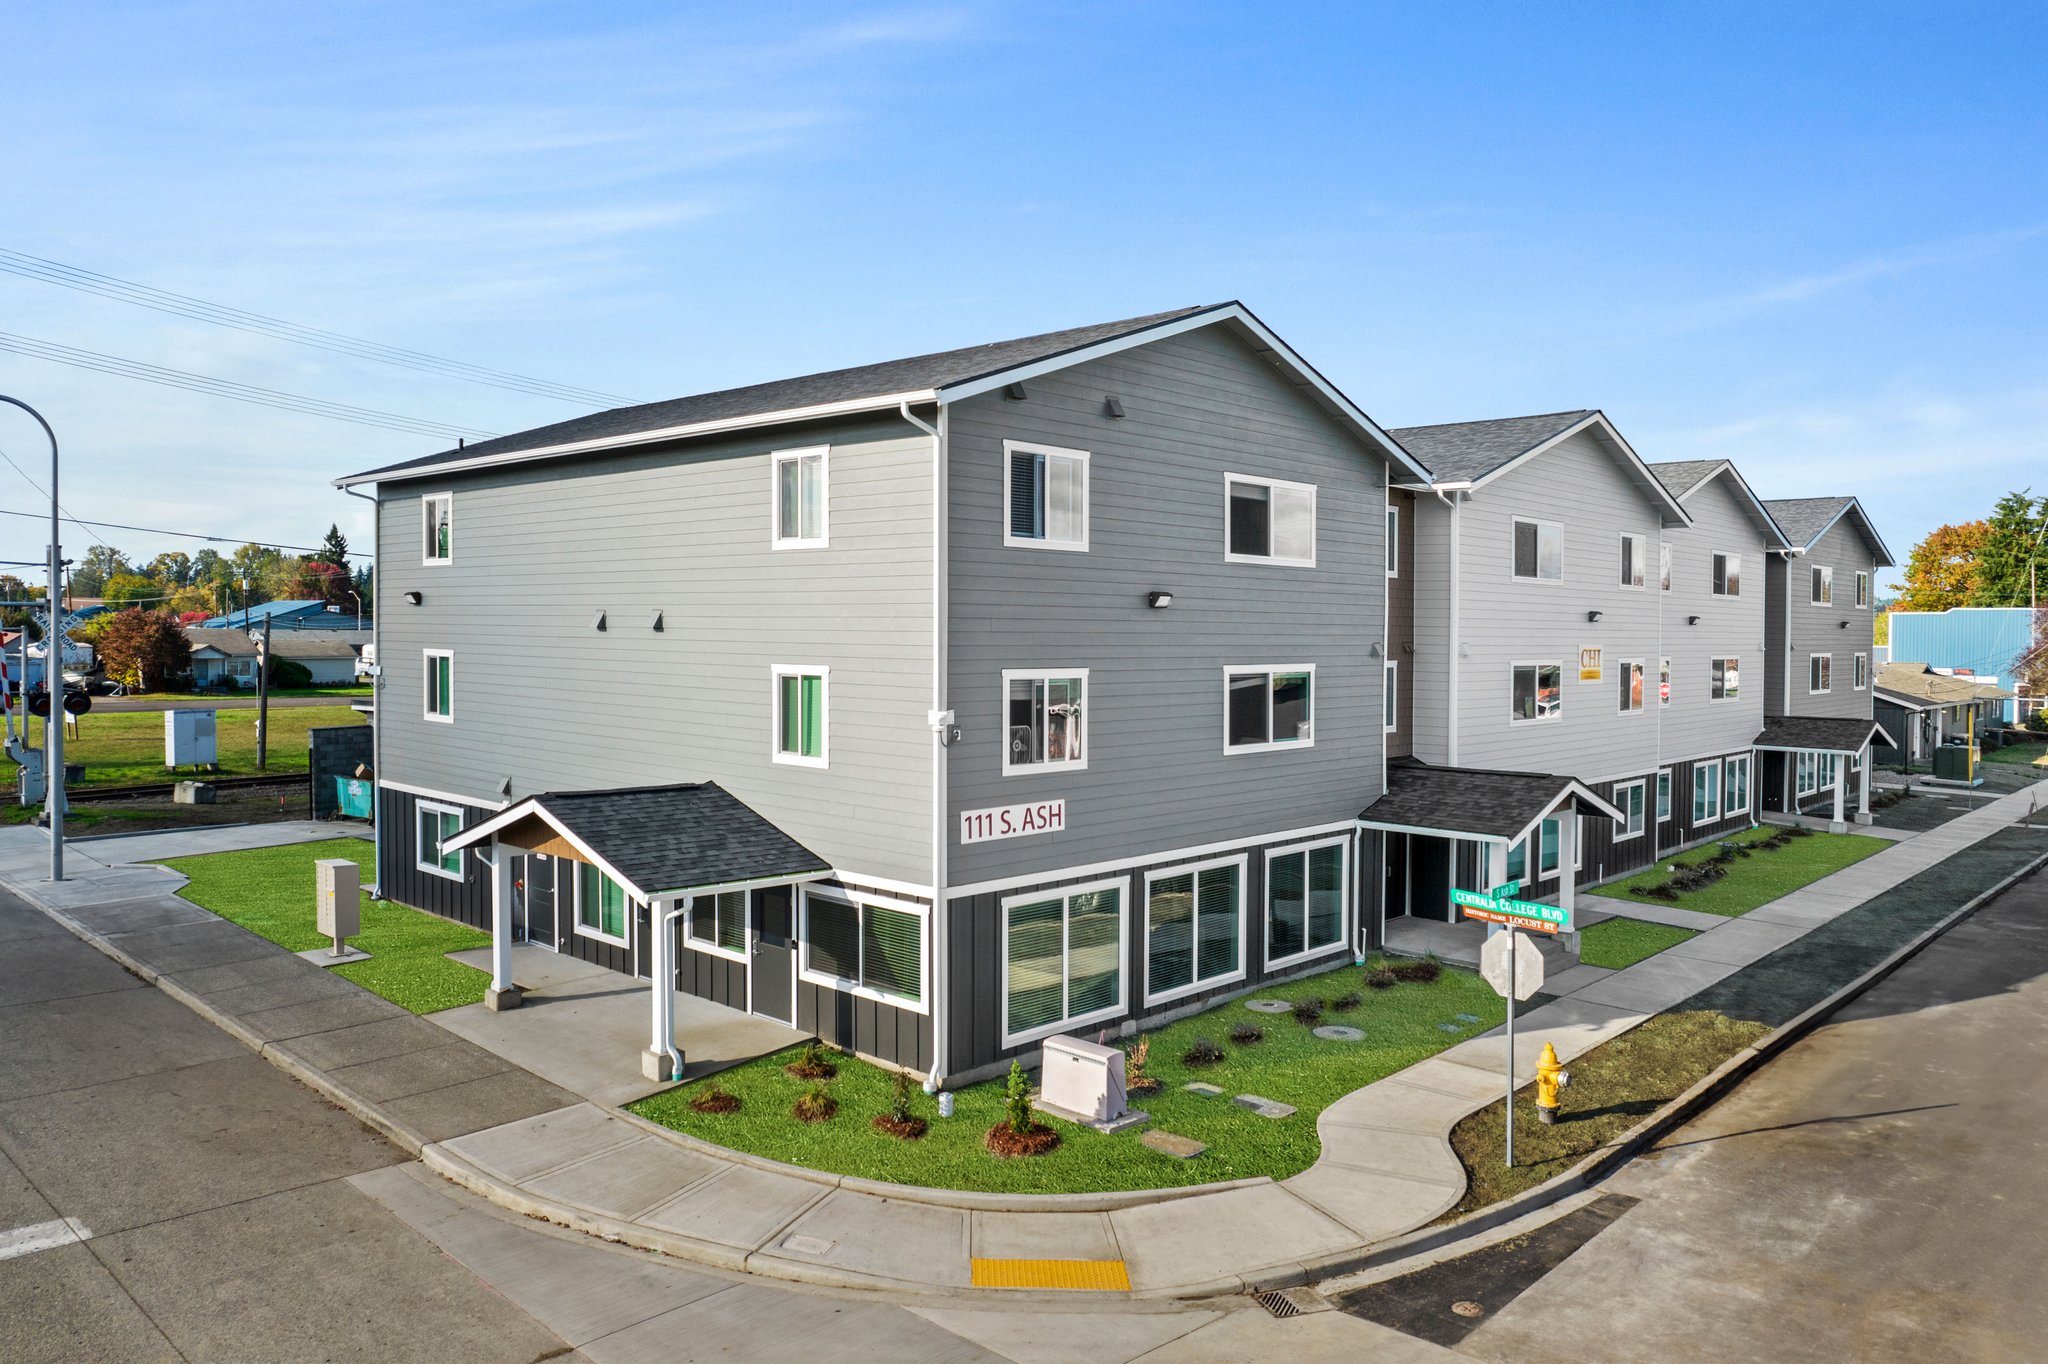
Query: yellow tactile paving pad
[[1102, 1276]]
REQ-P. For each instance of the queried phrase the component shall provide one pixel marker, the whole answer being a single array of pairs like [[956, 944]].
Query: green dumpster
[[352, 795]]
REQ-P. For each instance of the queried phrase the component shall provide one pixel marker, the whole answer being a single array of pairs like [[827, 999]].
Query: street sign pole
[[1510, 931]]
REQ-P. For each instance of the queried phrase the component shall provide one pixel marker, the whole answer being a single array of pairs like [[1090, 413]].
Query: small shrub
[[816, 1103], [1018, 1134], [1136, 1081], [1247, 1034], [712, 1099], [813, 1062], [1017, 1099], [1346, 1002], [1202, 1053], [1379, 978], [1420, 972], [1308, 1012], [900, 1122]]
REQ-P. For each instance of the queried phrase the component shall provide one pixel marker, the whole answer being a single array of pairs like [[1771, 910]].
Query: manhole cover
[[1268, 1006], [1450, 1027], [1468, 1308], [1337, 1032], [1468, 1018]]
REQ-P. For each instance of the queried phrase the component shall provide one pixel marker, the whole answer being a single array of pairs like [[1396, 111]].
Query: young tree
[[144, 649], [173, 568], [132, 589], [2012, 543], [89, 576], [334, 549], [208, 567], [318, 580], [1942, 568]]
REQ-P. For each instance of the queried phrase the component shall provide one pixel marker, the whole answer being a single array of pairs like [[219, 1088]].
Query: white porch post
[[502, 994], [1840, 823], [1864, 760], [662, 1061], [1567, 859]]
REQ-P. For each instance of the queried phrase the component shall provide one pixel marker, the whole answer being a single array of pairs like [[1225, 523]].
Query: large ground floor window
[[1305, 900], [1062, 959], [863, 948], [718, 924], [1194, 927], [600, 905], [438, 824]]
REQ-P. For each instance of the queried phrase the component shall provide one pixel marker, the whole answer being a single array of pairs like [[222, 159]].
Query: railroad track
[[165, 788]]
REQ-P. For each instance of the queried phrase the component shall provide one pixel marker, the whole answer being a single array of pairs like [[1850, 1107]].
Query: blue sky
[[1811, 238]]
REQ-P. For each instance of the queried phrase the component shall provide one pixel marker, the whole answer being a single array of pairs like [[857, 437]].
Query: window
[[1047, 721], [1727, 679], [1813, 771], [1539, 551], [1823, 585], [862, 948], [1706, 792], [718, 924], [1269, 522], [1045, 496], [1062, 959], [1518, 859], [1268, 708], [1859, 671], [1727, 576], [800, 715], [1635, 550], [1735, 786], [1664, 682], [802, 497], [1819, 672], [1536, 692], [440, 685], [1664, 795], [1393, 542], [1628, 798], [437, 528], [438, 824], [600, 905], [1193, 928], [1862, 591], [1631, 675], [1305, 901], [1664, 565], [1393, 696]]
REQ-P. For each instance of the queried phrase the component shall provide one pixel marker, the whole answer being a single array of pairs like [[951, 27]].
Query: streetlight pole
[[359, 609], [53, 667]]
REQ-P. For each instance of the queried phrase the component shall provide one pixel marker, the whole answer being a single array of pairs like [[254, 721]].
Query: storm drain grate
[[1290, 1302]]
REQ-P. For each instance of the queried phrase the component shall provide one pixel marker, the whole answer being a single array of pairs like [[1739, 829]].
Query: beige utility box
[[339, 895], [1082, 1078]]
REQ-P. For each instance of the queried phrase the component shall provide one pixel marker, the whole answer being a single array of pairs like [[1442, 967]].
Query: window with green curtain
[[440, 684], [892, 952], [447, 825], [602, 905], [1547, 862], [1286, 905], [800, 720], [1325, 896]]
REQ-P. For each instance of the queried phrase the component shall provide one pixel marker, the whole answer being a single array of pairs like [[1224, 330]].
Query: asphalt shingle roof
[[1465, 800], [1804, 518], [911, 374], [230, 643], [673, 838], [1459, 451], [1916, 682], [1828, 733], [1681, 476]]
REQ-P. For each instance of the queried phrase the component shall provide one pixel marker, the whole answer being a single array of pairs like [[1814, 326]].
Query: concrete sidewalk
[[1386, 1165]]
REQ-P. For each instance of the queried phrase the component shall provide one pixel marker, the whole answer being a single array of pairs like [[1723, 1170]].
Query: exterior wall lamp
[[1593, 615], [412, 599], [1692, 620], [1159, 601]]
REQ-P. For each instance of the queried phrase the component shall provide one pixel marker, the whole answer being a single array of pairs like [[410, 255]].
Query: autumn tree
[[318, 580], [172, 568], [131, 589], [144, 649], [1942, 570]]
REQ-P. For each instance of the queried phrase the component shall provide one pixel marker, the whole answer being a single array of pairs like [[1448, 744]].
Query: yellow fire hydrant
[[1550, 1078]]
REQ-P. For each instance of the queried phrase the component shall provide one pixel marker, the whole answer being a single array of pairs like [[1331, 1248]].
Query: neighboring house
[[1817, 659], [948, 703], [1977, 641], [228, 657], [284, 615], [1920, 709]]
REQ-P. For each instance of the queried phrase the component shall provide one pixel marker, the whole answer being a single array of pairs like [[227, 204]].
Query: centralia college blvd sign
[[1013, 821]]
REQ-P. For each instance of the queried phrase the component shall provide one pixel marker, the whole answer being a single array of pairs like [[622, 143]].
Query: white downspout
[[1451, 689], [940, 718], [376, 687], [664, 1040]]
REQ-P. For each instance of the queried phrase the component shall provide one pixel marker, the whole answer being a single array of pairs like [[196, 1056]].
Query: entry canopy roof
[[654, 840], [1800, 733], [1469, 802]]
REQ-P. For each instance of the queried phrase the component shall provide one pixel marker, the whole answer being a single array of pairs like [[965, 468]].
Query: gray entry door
[[538, 895], [775, 953]]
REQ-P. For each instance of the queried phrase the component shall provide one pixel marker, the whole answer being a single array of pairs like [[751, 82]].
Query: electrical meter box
[[189, 739], [1082, 1077], [338, 894]]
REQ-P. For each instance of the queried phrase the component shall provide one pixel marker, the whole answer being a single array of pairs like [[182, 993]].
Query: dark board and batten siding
[[399, 876], [1400, 641]]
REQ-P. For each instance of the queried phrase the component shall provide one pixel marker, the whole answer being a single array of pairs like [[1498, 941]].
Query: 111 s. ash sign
[[1013, 821]]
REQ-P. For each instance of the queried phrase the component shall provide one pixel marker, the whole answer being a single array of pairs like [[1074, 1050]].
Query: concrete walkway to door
[[583, 1027]]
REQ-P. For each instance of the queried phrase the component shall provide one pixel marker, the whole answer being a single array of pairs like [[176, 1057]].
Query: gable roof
[[1684, 477], [227, 643], [1472, 454], [1920, 687], [1473, 801], [263, 611], [1805, 519], [1820, 733], [942, 376]]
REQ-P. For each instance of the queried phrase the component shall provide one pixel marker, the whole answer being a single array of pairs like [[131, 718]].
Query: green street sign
[[1506, 892], [1506, 910]]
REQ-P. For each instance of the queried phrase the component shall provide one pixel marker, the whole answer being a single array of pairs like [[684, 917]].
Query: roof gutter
[[376, 685], [940, 721]]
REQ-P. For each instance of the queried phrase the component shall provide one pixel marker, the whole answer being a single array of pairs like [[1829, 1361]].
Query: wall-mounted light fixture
[[1159, 601], [1375, 648], [1593, 615], [1692, 620], [1845, 625], [655, 624], [412, 599], [598, 624], [505, 787], [1114, 407], [1014, 392]]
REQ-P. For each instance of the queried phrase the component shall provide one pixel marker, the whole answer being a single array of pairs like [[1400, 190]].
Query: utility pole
[[263, 698], [53, 664]]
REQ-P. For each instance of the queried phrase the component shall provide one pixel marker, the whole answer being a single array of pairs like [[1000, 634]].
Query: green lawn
[[362, 691], [269, 891], [125, 748], [1754, 880], [2018, 755], [1615, 943], [1401, 1027]]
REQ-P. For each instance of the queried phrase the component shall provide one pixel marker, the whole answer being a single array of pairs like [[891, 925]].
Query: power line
[[183, 534], [227, 388], [183, 305]]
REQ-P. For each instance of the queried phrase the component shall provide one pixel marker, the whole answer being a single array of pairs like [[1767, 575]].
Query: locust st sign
[[1496, 908]]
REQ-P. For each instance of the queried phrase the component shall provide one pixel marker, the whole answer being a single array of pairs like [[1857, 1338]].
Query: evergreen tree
[[2013, 543], [334, 549]]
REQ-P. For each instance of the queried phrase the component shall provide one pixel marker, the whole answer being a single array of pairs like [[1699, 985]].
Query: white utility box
[[1082, 1078], [189, 739], [339, 896]]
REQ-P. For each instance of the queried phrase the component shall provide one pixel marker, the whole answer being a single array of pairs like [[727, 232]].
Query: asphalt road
[[1878, 1193], [119, 704]]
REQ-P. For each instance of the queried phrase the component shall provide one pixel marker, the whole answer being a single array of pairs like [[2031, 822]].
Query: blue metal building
[[1979, 640]]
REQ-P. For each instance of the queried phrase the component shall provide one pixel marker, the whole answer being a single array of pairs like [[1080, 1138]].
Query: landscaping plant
[[1019, 1134], [1136, 1081], [1202, 1053], [813, 1063], [1308, 1012], [712, 1099], [1346, 1002], [816, 1103], [1380, 978], [900, 1122], [1419, 972], [1247, 1034]]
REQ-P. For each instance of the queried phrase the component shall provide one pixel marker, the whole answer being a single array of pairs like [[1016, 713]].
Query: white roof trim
[[1728, 467], [1654, 484], [518, 810], [1576, 791], [1869, 529]]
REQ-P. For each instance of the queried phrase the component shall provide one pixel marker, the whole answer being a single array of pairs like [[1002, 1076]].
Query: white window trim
[[1122, 885], [1079, 764], [1728, 764], [1556, 716], [861, 904], [778, 458], [1244, 894], [1270, 670], [1724, 659], [1513, 576], [418, 857], [1271, 560], [1642, 544], [1642, 684], [1664, 569], [1014, 447], [1649, 810], [1829, 680], [427, 692], [1541, 873], [778, 671], [1393, 541], [1734, 562], [705, 904], [1862, 602], [1343, 943], [1390, 702], [1664, 786], [1826, 573], [1713, 814], [1663, 682], [1859, 672], [576, 910], [427, 500]]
